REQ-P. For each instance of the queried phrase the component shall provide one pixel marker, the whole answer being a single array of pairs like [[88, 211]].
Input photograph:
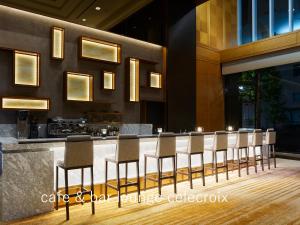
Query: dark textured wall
[[181, 72], [29, 32]]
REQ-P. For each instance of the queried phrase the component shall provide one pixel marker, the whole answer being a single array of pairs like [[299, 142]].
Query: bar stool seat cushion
[[61, 163]]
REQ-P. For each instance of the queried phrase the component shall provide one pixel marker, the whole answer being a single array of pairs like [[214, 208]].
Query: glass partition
[[266, 98]]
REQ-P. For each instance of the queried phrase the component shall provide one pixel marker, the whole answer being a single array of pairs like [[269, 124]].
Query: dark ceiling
[[111, 13]]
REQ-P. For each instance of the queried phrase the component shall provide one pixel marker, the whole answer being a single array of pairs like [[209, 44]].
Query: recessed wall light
[[83, 20], [98, 8]]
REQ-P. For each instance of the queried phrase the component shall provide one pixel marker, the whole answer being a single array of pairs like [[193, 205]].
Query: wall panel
[[29, 32], [209, 91]]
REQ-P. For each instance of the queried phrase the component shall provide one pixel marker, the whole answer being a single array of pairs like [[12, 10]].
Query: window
[[262, 19], [296, 97], [246, 21], [296, 11], [281, 17]]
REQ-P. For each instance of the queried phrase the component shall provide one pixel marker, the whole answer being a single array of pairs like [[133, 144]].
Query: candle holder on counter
[[199, 129], [159, 130], [229, 128]]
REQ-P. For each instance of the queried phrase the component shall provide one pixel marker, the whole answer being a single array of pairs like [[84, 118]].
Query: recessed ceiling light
[[83, 20], [98, 8]]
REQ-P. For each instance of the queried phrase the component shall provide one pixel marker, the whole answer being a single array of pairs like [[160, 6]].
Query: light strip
[[24, 103], [58, 36], [134, 94], [63, 23]]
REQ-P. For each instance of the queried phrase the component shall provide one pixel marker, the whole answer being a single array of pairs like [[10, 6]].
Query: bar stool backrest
[[79, 151], [270, 136], [242, 139], [128, 148], [166, 145], [257, 138], [220, 140], [196, 142]]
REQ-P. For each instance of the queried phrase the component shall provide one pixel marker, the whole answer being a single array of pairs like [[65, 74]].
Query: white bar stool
[[242, 144], [195, 147], [257, 142], [127, 151], [79, 154], [165, 148], [270, 144], [220, 143]]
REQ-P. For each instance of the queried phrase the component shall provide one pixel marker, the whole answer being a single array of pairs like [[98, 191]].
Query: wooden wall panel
[[265, 46], [216, 24], [209, 90]]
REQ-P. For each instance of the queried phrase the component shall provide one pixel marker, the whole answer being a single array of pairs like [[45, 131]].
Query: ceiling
[[111, 13]]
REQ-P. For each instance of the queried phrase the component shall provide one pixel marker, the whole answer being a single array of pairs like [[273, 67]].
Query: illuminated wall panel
[[134, 80], [100, 50], [108, 80], [25, 103], [58, 42], [26, 68], [79, 87], [155, 80]]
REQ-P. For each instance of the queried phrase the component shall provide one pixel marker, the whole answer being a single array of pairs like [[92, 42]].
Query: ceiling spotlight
[[98, 8], [83, 19]]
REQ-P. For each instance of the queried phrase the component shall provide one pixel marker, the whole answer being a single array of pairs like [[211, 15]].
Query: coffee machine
[[23, 126]]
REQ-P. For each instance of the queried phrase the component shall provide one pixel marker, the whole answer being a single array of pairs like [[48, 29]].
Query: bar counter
[[28, 169]]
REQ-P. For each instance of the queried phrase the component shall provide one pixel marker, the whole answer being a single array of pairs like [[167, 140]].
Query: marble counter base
[[24, 180]]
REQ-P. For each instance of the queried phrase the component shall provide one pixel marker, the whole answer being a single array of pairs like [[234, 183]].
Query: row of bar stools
[[195, 147], [165, 148], [79, 154], [127, 151], [219, 145]]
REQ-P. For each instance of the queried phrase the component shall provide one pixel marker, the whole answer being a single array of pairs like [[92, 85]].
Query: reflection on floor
[[269, 197]]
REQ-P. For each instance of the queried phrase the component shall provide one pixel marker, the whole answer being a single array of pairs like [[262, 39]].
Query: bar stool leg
[[174, 174], [247, 159], [216, 166], [105, 193], [145, 172], [159, 176], [81, 187], [118, 184], [274, 156], [92, 190], [190, 170], [138, 181], [239, 161], [56, 189], [67, 195], [126, 175], [262, 158], [268, 150], [176, 166], [226, 164], [203, 169], [254, 155]]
